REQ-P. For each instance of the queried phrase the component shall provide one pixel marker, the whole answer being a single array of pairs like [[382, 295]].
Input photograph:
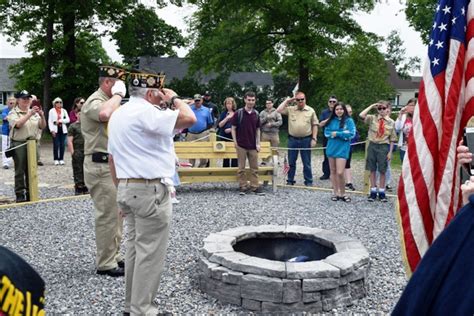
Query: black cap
[[22, 94], [147, 80], [207, 93], [112, 72]]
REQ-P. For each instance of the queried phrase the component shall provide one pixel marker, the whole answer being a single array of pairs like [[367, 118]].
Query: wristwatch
[[173, 99]]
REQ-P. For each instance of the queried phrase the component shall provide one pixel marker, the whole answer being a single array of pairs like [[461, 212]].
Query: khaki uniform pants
[[252, 156], [274, 140], [108, 222], [201, 163], [20, 157], [147, 207]]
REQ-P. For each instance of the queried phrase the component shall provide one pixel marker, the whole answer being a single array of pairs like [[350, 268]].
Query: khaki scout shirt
[[93, 130], [389, 136], [29, 130], [300, 122]]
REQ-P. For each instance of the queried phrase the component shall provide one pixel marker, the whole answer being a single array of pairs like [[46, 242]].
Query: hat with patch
[[112, 72], [22, 94], [22, 288], [197, 96], [207, 93], [147, 80]]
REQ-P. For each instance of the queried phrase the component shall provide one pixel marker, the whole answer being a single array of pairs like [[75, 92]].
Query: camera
[[469, 142]]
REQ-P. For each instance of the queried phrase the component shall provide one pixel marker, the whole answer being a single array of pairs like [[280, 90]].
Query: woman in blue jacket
[[340, 129]]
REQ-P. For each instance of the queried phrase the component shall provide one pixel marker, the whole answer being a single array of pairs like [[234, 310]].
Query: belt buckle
[[104, 157]]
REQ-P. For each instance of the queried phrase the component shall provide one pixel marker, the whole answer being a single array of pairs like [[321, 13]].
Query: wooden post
[[366, 172], [32, 170], [212, 139]]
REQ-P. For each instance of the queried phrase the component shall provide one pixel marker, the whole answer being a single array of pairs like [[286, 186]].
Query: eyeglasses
[[381, 108], [332, 101], [299, 100]]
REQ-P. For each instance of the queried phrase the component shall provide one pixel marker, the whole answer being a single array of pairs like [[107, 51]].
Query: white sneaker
[[61, 162], [174, 200], [56, 162]]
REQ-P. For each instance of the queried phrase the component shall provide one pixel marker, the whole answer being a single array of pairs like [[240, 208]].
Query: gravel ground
[[57, 238]]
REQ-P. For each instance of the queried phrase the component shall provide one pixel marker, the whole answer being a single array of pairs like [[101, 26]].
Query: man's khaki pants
[[274, 140], [108, 222], [148, 208], [252, 155], [201, 163]]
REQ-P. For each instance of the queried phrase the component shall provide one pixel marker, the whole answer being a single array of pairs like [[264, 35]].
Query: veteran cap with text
[[147, 80], [112, 72]]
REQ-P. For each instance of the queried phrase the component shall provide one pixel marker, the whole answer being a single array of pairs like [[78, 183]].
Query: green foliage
[[280, 35], [396, 53], [420, 15], [143, 33]]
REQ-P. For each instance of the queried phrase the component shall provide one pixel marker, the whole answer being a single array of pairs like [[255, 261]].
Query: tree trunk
[[48, 56], [69, 58], [303, 76]]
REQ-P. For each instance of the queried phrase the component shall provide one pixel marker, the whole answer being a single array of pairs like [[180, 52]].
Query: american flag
[[286, 166], [428, 193]]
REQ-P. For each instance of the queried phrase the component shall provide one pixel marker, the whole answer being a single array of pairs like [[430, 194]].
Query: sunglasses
[[58, 102], [82, 102], [299, 100], [332, 101], [198, 100], [381, 108]]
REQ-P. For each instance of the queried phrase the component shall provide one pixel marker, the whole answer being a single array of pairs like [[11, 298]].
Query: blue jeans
[[304, 142], [58, 144]]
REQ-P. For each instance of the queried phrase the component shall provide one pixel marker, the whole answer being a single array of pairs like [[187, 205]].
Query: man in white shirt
[[141, 156]]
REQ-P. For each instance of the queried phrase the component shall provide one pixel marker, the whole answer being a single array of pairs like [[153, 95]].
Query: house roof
[[401, 84], [7, 82], [176, 67]]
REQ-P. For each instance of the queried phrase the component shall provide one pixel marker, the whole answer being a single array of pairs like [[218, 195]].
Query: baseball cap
[[22, 94], [197, 96]]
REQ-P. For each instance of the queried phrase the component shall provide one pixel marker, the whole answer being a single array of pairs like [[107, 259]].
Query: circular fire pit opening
[[283, 269], [283, 249]]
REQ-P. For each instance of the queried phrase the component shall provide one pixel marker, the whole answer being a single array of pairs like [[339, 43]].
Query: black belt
[[299, 137], [100, 157]]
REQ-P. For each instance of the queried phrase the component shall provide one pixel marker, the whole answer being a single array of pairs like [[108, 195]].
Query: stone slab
[[277, 308], [358, 289], [205, 266], [311, 270], [216, 272], [228, 259], [292, 291], [211, 248], [352, 245], [240, 233], [260, 266], [232, 277], [309, 297], [251, 304], [228, 293], [347, 261], [319, 284], [219, 238], [339, 297], [262, 288]]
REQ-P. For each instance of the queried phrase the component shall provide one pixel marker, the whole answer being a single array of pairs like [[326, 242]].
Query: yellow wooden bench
[[215, 151]]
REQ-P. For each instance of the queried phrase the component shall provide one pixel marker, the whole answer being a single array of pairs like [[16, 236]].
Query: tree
[[396, 53], [143, 33], [420, 14], [280, 35]]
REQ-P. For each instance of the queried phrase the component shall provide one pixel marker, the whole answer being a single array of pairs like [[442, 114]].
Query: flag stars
[[431, 42], [434, 25], [435, 62], [463, 11], [437, 8], [439, 45], [454, 20], [446, 10], [443, 27]]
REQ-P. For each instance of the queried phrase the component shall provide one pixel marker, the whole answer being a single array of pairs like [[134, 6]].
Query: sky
[[387, 16]]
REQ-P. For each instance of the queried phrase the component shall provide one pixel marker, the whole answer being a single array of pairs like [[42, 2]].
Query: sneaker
[[388, 188], [350, 186], [56, 162], [61, 162], [259, 191], [324, 177], [5, 167], [290, 182], [40, 163], [382, 197], [242, 191], [372, 196], [174, 200], [308, 184]]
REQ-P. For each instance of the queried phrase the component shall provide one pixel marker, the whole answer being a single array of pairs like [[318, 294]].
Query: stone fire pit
[[249, 266]]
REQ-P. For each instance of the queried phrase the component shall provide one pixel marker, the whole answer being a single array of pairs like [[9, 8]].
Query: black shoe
[[324, 177], [372, 196], [242, 191], [121, 264], [290, 182], [350, 186], [40, 163], [115, 272], [20, 198], [259, 191], [388, 188], [85, 190], [308, 184]]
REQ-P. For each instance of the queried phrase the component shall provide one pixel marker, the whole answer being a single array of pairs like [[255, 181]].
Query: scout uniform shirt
[[300, 122], [389, 135], [93, 130], [29, 130], [74, 130]]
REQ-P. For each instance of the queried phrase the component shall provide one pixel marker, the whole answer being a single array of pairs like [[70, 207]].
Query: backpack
[[240, 115]]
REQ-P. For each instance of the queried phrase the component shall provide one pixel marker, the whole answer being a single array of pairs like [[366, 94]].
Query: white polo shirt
[[141, 140]]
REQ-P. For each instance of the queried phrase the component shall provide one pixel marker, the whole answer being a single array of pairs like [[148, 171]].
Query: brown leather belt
[[146, 181]]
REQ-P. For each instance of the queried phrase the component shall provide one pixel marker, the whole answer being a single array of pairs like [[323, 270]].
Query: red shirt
[[246, 130]]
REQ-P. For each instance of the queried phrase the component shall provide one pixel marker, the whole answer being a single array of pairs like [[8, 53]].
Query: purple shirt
[[246, 130]]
